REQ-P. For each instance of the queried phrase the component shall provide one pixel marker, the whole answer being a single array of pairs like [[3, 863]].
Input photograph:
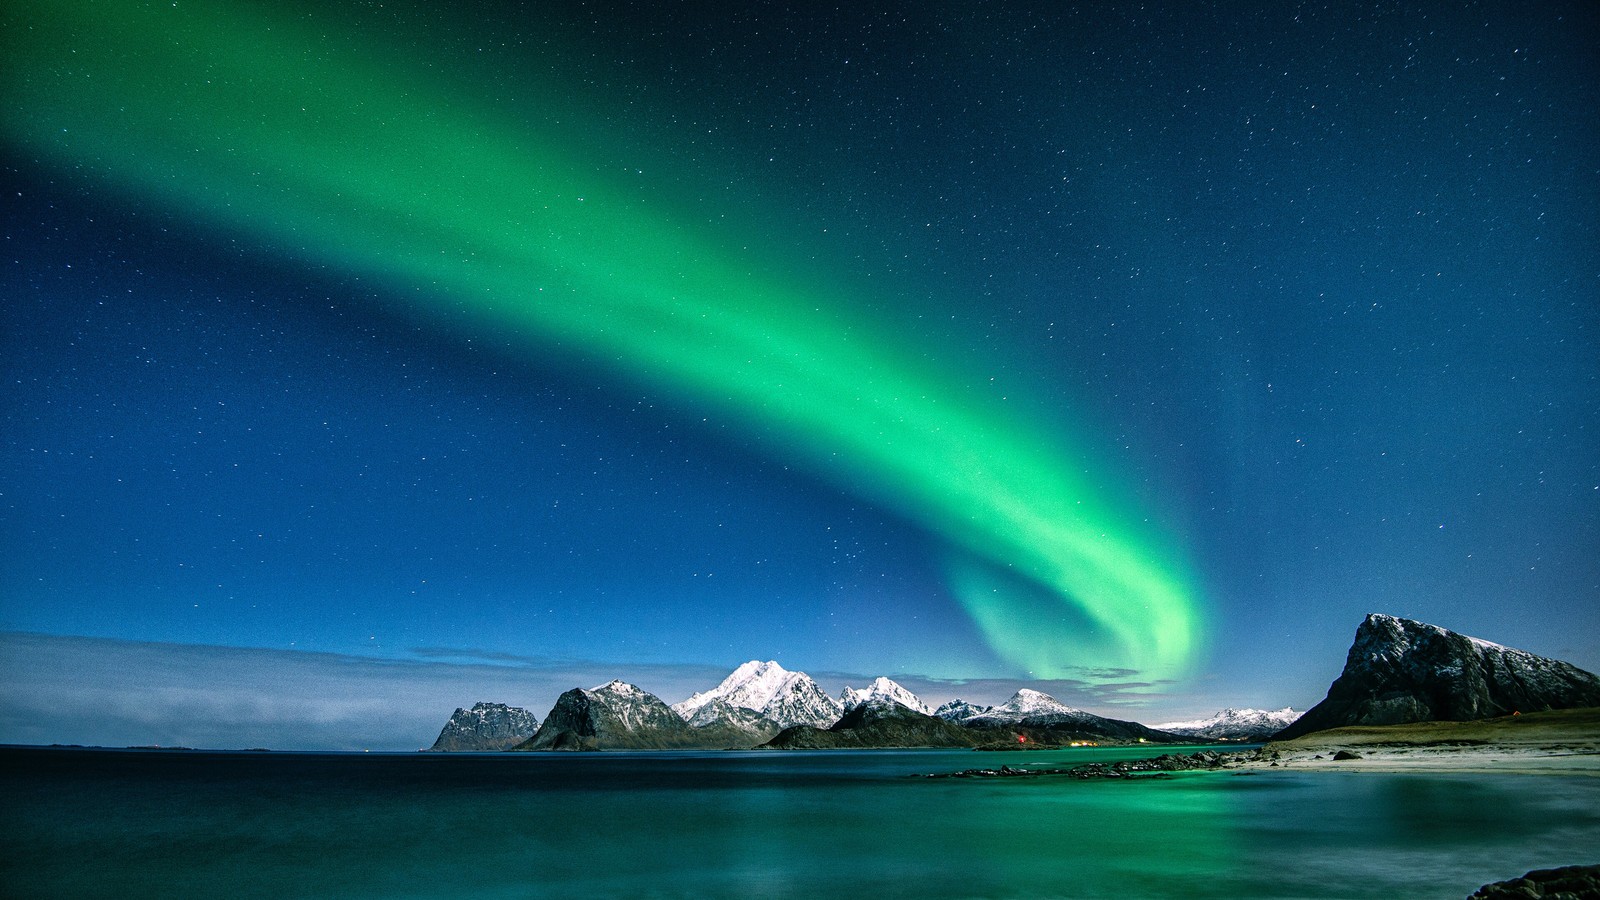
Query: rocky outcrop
[[876, 724], [1565, 883], [1400, 671], [486, 726], [1156, 767], [614, 716]]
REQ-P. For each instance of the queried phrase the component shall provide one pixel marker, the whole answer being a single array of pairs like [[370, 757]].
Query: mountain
[[875, 724], [1044, 719], [959, 711], [1026, 705], [722, 724], [614, 716], [486, 726], [1235, 725], [787, 698], [1400, 671], [882, 689]]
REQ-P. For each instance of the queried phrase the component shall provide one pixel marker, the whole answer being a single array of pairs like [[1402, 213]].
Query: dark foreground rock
[[1565, 883], [1400, 671], [1154, 767]]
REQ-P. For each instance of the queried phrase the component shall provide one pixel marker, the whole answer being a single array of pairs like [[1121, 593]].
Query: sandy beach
[[1559, 742]]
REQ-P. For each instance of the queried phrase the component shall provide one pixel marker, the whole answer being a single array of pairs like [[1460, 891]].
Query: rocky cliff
[[1400, 671], [486, 726]]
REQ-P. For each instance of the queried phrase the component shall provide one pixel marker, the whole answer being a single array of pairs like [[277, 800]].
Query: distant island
[[1398, 672]]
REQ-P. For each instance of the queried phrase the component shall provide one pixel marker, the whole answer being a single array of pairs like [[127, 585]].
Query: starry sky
[[459, 352]]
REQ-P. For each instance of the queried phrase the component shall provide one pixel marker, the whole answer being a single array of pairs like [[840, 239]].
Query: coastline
[[1556, 742]]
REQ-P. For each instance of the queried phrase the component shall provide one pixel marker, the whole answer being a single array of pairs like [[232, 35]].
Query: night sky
[[456, 352]]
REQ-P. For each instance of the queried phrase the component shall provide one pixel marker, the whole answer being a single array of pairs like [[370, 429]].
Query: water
[[838, 824]]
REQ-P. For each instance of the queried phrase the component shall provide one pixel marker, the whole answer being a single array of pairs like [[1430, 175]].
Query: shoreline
[[1557, 742]]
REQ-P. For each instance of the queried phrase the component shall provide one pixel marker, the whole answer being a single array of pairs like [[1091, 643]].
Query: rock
[[614, 716], [486, 726], [1155, 767], [1346, 754], [1565, 883], [1400, 671]]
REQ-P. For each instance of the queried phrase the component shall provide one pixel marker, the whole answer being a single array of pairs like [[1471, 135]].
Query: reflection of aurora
[[260, 127]]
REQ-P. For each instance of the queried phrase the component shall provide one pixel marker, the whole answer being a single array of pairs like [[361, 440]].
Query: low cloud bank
[[116, 693]]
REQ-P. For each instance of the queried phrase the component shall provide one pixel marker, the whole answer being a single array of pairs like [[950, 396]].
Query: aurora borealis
[[1101, 507]]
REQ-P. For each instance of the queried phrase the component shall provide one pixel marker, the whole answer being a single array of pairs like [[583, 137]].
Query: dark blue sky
[[1317, 286]]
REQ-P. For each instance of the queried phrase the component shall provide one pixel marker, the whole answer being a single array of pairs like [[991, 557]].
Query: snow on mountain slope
[[881, 688], [1235, 724], [1032, 705], [788, 698], [959, 711]]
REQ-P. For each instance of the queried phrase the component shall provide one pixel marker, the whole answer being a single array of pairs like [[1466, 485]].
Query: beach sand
[[1557, 742]]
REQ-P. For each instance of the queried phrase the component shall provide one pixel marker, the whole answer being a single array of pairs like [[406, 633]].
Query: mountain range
[[1249, 725], [1397, 671]]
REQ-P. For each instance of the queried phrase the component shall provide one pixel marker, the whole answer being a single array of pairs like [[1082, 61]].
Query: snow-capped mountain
[[1031, 706], [1048, 719], [1235, 724], [486, 726], [959, 711], [881, 688], [788, 698], [1400, 670]]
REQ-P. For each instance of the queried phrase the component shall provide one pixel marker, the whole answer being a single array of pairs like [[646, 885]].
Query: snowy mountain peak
[[1032, 702], [788, 698], [884, 689], [618, 686], [1031, 705]]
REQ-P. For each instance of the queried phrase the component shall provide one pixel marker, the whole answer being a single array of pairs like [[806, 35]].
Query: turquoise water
[[841, 824]]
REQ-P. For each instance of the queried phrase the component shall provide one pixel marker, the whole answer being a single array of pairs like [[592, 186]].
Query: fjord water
[[79, 823]]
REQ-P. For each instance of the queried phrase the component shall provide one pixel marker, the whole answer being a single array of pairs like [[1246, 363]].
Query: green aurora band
[[267, 128]]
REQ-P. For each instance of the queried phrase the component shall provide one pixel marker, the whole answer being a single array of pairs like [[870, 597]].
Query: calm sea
[[822, 824]]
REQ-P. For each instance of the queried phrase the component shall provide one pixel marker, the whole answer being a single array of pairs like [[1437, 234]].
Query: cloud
[[105, 692]]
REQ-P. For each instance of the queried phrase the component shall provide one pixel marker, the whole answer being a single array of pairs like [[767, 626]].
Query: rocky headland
[[1400, 671], [486, 727]]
